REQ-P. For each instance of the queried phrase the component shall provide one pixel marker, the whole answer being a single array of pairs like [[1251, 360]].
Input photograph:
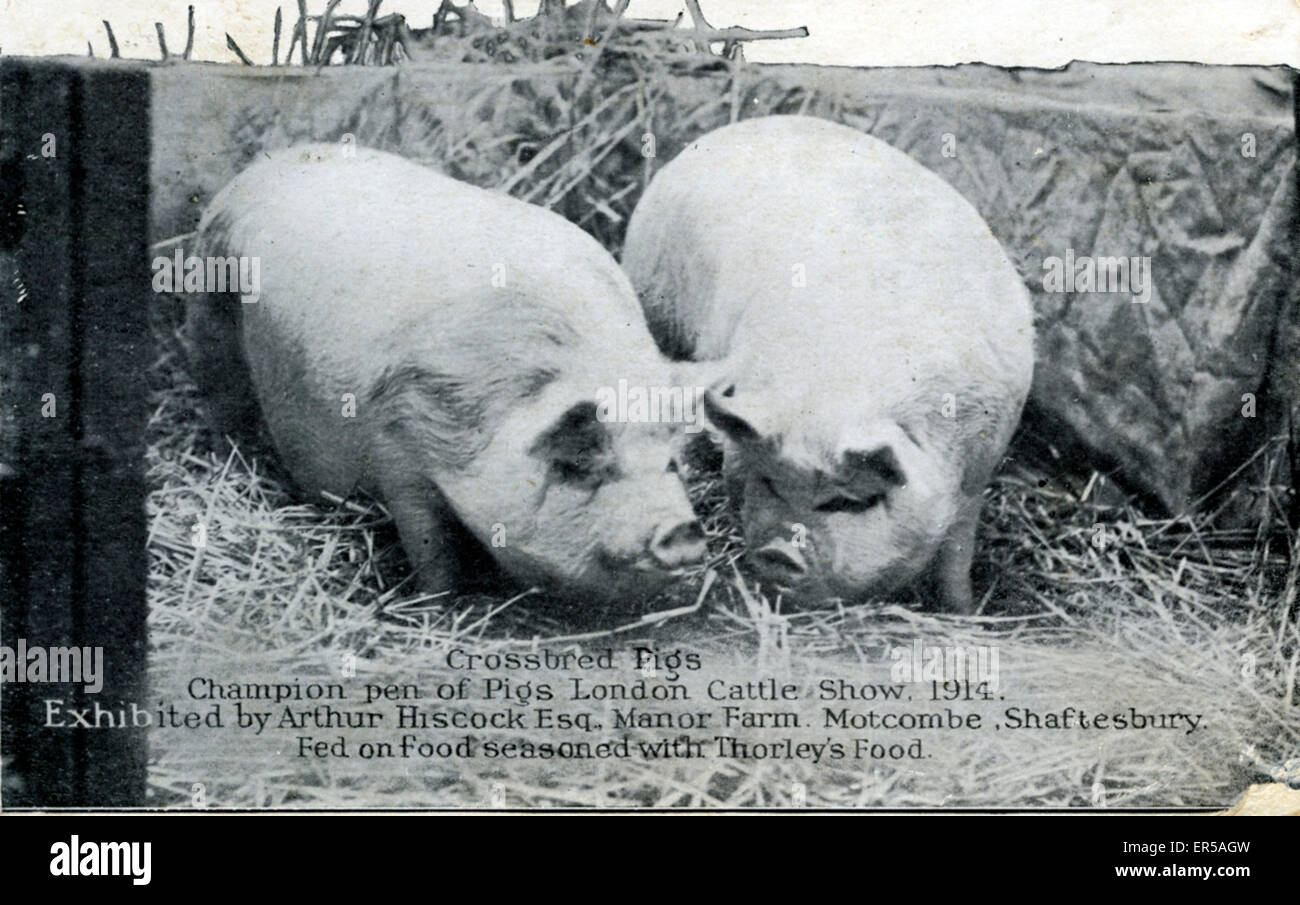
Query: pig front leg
[[701, 453], [435, 541], [947, 581], [734, 475]]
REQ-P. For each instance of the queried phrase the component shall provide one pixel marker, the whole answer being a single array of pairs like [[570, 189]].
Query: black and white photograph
[[648, 405]]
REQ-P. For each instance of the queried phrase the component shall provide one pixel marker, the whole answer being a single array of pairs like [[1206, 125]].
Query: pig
[[875, 346], [442, 348]]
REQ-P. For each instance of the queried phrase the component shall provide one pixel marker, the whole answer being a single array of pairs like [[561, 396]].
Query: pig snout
[[677, 543], [781, 561]]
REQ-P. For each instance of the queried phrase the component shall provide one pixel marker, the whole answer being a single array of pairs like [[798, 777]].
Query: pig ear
[[577, 444], [741, 417], [875, 457]]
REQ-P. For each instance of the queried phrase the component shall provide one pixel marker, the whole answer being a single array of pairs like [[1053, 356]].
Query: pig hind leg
[[217, 364]]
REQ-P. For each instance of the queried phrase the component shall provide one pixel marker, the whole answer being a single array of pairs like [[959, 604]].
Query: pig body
[[440, 347], [877, 347]]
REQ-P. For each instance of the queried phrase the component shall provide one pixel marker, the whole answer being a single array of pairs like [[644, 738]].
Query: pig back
[[372, 261], [825, 252]]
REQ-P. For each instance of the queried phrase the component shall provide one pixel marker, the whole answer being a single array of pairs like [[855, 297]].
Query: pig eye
[[851, 504], [578, 448], [575, 471], [590, 468]]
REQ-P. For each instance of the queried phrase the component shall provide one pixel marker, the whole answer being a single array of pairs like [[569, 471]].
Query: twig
[[321, 31], [293, 42], [90, 51], [302, 23], [617, 19], [706, 34], [508, 7], [333, 43], [230, 42], [275, 41], [189, 35], [112, 41], [363, 33], [387, 53], [701, 25], [406, 41], [645, 621], [162, 39], [736, 33]]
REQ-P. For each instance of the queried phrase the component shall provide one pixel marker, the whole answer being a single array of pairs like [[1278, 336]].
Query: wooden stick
[[701, 24], [363, 33], [112, 41], [189, 35], [508, 6], [333, 43], [387, 42], [230, 42], [697, 14], [619, 9], [302, 13], [90, 51], [321, 30], [339, 20], [293, 42], [736, 33], [275, 41], [708, 33], [406, 40], [162, 39]]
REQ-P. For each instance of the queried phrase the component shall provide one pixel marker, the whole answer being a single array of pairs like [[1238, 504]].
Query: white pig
[[442, 347], [877, 346]]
